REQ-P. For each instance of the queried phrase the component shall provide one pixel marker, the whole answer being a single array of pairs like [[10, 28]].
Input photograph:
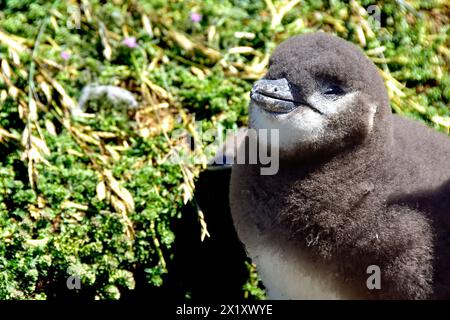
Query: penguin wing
[[420, 156]]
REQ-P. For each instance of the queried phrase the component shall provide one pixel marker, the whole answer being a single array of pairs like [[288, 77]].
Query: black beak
[[276, 96]]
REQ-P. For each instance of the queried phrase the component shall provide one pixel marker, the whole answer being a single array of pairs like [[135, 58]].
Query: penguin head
[[321, 93]]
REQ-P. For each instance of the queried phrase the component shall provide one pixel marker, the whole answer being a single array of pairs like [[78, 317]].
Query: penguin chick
[[357, 186]]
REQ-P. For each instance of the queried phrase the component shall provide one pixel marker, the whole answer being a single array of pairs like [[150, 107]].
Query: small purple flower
[[130, 42], [65, 55], [196, 17]]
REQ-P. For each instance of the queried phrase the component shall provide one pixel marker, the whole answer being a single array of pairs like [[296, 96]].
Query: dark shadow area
[[212, 270]]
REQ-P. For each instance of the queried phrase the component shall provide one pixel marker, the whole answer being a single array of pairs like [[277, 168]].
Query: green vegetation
[[92, 195]]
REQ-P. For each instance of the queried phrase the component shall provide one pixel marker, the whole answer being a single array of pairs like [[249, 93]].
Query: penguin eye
[[334, 90]]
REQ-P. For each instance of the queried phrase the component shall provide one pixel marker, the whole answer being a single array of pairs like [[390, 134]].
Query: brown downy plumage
[[356, 186]]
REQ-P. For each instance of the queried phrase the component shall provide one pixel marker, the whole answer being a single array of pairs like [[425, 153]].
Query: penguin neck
[[365, 156], [326, 193]]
